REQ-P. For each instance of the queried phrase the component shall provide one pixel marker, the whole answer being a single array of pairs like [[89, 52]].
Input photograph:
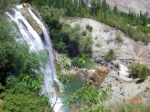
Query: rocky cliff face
[[33, 23], [133, 5]]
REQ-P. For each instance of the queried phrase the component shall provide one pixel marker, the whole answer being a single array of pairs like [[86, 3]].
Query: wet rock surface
[[33, 23]]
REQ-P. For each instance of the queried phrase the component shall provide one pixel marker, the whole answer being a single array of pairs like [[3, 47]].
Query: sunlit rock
[[98, 76], [124, 73]]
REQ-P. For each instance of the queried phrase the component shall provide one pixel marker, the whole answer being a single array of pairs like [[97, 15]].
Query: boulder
[[98, 76], [85, 73], [123, 70]]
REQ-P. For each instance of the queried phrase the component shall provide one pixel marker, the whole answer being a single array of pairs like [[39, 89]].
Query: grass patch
[[91, 65], [131, 107]]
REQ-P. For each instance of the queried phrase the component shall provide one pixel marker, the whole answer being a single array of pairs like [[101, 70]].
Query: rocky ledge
[[25, 12]]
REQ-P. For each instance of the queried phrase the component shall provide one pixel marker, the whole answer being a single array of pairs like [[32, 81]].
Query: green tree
[[7, 48], [90, 99], [105, 6], [115, 9], [19, 95], [15, 57], [85, 45]]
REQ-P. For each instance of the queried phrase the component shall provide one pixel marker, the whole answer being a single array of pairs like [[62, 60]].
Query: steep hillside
[[134, 5], [106, 38], [126, 50]]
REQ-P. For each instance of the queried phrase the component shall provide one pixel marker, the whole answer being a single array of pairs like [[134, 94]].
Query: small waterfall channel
[[36, 42]]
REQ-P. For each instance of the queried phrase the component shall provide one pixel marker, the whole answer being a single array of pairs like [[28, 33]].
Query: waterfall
[[36, 43]]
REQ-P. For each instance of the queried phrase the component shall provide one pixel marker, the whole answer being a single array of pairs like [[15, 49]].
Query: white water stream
[[35, 43]]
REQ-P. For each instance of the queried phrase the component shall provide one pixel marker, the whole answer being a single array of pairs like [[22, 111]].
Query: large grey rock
[[123, 70]]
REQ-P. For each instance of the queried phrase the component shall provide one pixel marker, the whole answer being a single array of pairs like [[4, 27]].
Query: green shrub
[[138, 70], [90, 99], [77, 62], [65, 79], [22, 91], [90, 64], [84, 32], [85, 45], [89, 28], [80, 61], [61, 47], [111, 55]]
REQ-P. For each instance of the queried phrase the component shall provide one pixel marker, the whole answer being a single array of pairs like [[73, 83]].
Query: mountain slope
[[134, 5]]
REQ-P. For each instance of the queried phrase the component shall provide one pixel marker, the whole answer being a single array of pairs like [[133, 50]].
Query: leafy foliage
[[80, 61], [138, 70], [4, 4], [91, 99], [22, 97], [8, 52], [19, 76], [63, 68], [89, 28], [67, 39], [84, 32]]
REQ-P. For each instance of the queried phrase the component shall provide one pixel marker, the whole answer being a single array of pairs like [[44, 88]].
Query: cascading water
[[35, 43]]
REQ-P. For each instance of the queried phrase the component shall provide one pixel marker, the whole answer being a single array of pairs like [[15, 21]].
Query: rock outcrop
[[122, 89], [33, 23], [98, 76]]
